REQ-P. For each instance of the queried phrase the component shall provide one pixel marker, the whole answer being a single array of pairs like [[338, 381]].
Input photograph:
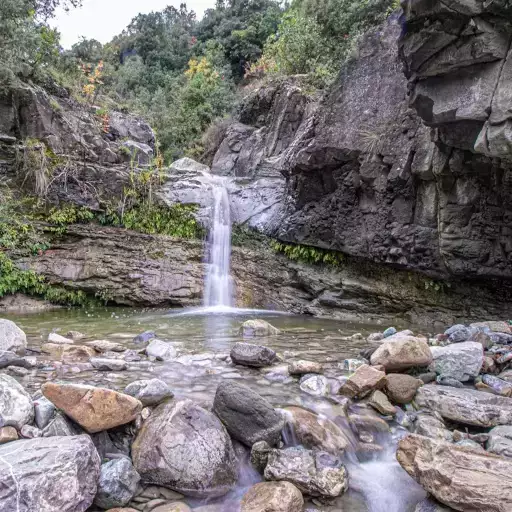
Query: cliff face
[[369, 172]]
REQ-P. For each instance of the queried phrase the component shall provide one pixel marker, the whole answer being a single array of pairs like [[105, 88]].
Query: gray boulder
[[316, 385], [149, 392], [16, 408], [258, 327], [104, 364], [144, 337], [56, 474], [461, 361], [13, 359], [185, 448], [248, 417], [313, 473], [466, 406], [117, 484], [430, 426], [61, 425], [247, 354], [161, 350], [500, 440], [12, 338]]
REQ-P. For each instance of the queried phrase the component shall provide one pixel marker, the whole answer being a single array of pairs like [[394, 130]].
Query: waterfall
[[218, 290]]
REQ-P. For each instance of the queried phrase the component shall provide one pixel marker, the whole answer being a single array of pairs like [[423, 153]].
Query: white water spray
[[219, 285]]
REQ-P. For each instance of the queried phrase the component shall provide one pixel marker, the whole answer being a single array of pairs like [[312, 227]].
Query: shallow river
[[203, 343]]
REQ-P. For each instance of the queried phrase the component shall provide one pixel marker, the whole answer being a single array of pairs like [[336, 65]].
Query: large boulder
[[95, 409], [186, 448], [466, 406], [55, 474], [257, 356], [313, 473], [401, 388], [363, 382], [258, 327], [315, 432], [149, 392], [461, 361], [161, 350], [272, 497], [12, 338], [462, 478], [402, 354], [248, 417], [16, 407], [117, 483]]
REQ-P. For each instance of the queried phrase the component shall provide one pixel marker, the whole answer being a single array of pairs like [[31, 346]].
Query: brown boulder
[[272, 497], [69, 353], [379, 401], [402, 354], [462, 478], [401, 388], [95, 409], [363, 381]]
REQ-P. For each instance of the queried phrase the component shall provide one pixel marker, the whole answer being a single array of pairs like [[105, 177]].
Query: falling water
[[218, 287]]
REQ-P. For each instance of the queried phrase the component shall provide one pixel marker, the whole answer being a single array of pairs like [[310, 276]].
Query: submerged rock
[[248, 417], [95, 409], [185, 448], [149, 392], [401, 388], [106, 346], [117, 484], [459, 477], [161, 350], [315, 432], [12, 338], [363, 381], [401, 354], [53, 337], [55, 474], [272, 497], [16, 407], [257, 356], [466, 406], [316, 385], [258, 327], [461, 361], [313, 473], [144, 337]]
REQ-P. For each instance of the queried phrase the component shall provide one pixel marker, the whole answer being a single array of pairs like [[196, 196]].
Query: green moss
[[309, 254]]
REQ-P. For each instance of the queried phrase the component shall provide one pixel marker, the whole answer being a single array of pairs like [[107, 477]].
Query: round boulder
[[272, 497], [117, 484], [257, 356], [401, 388], [185, 448], [401, 354], [149, 392]]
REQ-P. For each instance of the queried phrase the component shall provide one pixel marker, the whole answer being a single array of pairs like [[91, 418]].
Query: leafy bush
[[308, 254]]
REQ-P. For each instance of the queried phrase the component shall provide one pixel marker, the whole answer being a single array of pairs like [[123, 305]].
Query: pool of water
[[203, 342]]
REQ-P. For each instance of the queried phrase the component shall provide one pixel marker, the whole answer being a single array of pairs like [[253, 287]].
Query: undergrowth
[[308, 254]]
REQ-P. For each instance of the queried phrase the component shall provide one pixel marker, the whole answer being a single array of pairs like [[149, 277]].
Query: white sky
[[103, 19]]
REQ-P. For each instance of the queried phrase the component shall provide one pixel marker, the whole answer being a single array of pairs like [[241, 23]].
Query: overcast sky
[[103, 19]]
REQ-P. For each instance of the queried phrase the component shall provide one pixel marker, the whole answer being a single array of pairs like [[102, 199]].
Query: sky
[[103, 19]]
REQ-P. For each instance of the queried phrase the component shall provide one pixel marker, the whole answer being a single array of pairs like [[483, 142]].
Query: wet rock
[[436, 466], [375, 336], [302, 367], [30, 432], [149, 392], [401, 388], [466, 406], [106, 346], [389, 332], [500, 440], [12, 359], [117, 484], [247, 416], [177, 506], [257, 327], [257, 356], [144, 337], [442, 380], [186, 448], [8, 434], [75, 335], [69, 353], [430, 426], [161, 350], [60, 425], [402, 354], [57, 339], [56, 474], [363, 381], [316, 385], [105, 365], [461, 361], [259, 455], [499, 386], [351, 365], [95, 409], [429, 505], [16, 408], [272, 497], [379, 401], [368, 426], [315, 432], [313, 473], [12, 338]]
